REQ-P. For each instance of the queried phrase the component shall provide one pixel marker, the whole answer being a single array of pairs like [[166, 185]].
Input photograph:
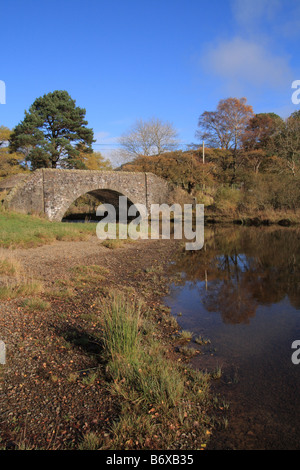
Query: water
[[242, 291]]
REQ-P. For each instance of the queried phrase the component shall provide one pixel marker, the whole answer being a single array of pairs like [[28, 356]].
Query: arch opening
[[84, 208]]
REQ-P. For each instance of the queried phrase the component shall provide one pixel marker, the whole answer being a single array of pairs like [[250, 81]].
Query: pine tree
[[50, 132]]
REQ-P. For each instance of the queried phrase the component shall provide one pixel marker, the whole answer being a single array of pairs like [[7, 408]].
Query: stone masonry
[[51, 192]]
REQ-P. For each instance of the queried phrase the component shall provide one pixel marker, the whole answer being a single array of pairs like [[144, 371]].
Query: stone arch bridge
[[51, 192]]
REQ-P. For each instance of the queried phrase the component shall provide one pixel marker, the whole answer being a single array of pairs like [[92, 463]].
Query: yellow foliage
[[95, 161], [9, 162]]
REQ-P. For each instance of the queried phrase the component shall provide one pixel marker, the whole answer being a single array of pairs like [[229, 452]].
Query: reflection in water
[[242, 290], [244, 268]]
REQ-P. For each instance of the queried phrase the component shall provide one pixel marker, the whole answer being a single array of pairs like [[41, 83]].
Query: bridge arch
[[101, 196], [52, 191]]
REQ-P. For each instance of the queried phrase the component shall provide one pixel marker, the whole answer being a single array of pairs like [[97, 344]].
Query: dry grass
[[9, 266], [115, 243], [14, 282], [36, 304]]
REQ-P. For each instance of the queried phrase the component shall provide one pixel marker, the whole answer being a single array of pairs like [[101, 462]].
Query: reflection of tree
[[232, 300], [242, 268]]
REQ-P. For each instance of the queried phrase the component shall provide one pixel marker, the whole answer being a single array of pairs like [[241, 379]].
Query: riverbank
[[253, 218], [62, 388]]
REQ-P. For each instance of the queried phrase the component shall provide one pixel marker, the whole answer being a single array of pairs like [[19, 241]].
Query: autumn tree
[[96, 161], [87, 160], [183, 169], [4, 136], [261, 130], [148, 138], [50, 130], [10, 163], [225, 127], [258, 143]]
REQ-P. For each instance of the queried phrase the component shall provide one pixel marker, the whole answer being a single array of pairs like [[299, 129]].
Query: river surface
[[242, 292]]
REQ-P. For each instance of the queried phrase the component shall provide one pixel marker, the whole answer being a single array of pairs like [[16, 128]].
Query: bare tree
[[147, 138], [287, 142]]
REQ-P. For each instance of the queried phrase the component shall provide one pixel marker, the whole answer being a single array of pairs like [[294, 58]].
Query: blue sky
[[131, 59]]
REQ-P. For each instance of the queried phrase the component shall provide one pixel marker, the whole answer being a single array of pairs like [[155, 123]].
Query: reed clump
[[152, 387]]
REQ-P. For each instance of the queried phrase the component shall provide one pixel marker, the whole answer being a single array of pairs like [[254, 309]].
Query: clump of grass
[[20, 289], [90, 442], [188, 352], [90, 269], [9, 266], [217, 373], [137, 373], [72, 377], [186, 335], [112, 244], [36, 304], [13, 280], [172, 322], [202, 341], [63, 293], [121, 321], [88, 274], [90, 378], [152, 388], [134, 427]]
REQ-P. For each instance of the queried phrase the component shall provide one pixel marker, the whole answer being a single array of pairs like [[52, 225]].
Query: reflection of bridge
[[53, 191]]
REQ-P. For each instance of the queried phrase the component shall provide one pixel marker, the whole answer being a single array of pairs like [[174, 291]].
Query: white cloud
[[280, 16], [249, 13], [241, 62]]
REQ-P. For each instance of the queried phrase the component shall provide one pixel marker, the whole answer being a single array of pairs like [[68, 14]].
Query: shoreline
[[284, 219], [55, 392]]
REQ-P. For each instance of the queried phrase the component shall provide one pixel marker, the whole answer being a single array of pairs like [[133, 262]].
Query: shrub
[[227, 199]]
